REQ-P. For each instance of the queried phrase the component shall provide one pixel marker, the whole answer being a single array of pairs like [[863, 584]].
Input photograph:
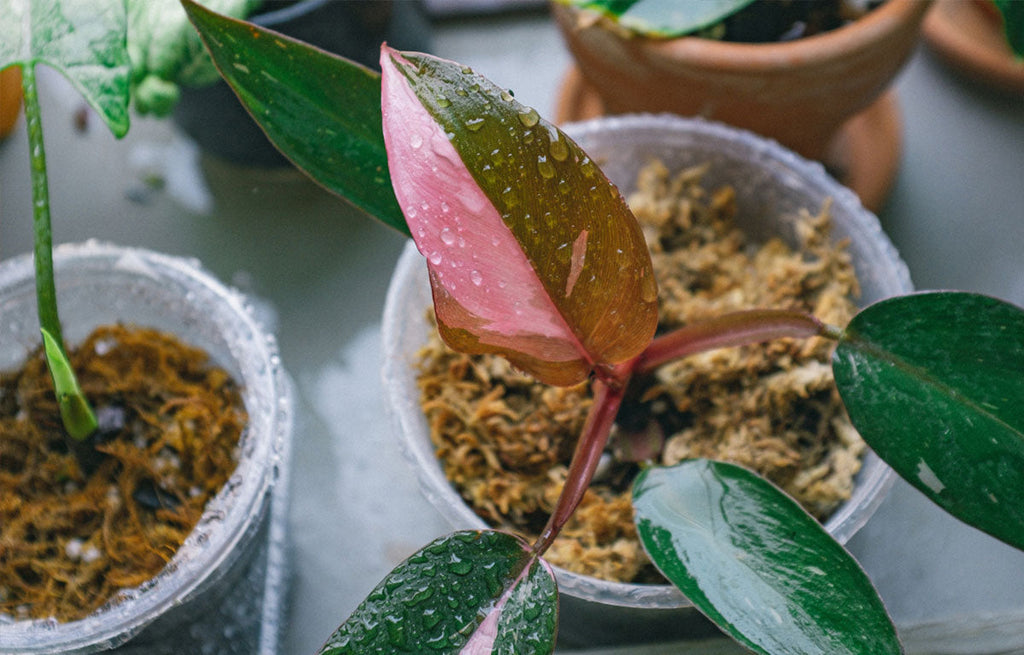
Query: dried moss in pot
[[171, 423], [505, 440]]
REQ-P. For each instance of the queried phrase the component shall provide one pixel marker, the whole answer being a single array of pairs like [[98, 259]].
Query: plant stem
[[607, 399], [735, 329], [46, 294], [77, 415], [609, 386]]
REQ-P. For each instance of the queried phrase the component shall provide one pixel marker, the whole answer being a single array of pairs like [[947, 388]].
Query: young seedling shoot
[[85, 41], [533, 254]]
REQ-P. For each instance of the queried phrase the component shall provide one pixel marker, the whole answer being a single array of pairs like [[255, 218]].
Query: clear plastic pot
[[772, 185], [222, 591]]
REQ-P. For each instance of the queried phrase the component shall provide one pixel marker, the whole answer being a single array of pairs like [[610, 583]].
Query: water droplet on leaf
[[420, 596], [559, 150], [545, 167], [431, 618], [529, 118], [461, 567]]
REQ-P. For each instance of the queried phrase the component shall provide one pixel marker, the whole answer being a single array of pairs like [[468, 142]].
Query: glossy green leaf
[[935, 384], [533, 253], [320, 110], [473, 592], [83, 39], [756, 563], [664, 18]]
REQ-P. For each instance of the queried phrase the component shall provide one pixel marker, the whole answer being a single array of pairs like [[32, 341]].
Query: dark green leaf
[[83, 39], [322, 111], [664, 18], [1013, 23], [756, 563], [480, 589], [935, 384]]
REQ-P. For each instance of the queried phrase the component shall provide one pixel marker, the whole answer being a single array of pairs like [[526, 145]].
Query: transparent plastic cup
[[772, 185], [222, 591]]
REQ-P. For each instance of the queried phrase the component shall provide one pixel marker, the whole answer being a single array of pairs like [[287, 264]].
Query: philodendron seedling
[[88, 42], [533, 254]]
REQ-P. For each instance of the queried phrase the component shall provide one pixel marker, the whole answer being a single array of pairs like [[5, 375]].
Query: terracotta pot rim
[[952, 31], [885, 21]]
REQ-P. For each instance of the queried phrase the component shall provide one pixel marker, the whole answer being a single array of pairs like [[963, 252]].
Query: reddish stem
[[607, 398], [735, 329], [609, 386]]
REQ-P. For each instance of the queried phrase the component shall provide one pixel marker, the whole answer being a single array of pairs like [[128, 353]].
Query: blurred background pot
[[803, 93], [222, 592], [10, 99], [968, 36], [772, 185], [213, 117]]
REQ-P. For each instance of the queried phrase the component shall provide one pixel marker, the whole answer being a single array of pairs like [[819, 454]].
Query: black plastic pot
[[216, 120]]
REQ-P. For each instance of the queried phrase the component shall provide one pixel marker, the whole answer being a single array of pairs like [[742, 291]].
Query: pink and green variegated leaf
[[532, 252]]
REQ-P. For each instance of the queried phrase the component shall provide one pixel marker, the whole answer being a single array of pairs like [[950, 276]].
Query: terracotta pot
[[223, 591], [969, 38], [772, 185], [798, 93], [10, 99]]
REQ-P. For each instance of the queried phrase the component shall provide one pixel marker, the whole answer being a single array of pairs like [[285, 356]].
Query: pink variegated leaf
[[532, 252]]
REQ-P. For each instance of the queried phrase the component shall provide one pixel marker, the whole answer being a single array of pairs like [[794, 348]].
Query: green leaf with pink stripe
[[470, 593]]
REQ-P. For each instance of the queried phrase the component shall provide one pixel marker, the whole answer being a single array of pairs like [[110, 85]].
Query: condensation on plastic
[[223, 591], [772, 185]]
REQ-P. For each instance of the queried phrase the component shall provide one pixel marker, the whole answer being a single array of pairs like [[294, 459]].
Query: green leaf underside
[[934, 382], [664, 18], [83, 39], [436, 601], [548, 193], [756, 563], [320, 110]]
